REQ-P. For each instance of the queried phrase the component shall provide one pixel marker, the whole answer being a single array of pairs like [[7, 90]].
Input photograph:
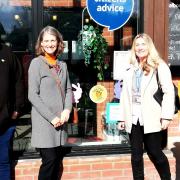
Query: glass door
[[16, 32], [69, 17]]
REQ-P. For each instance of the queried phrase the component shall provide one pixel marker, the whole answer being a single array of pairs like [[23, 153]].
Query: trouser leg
[[136, 141], [5, 146], [51, 162], [154, 150]]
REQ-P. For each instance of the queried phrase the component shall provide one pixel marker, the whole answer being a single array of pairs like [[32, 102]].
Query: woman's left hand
[[65, 115], [165, 123]]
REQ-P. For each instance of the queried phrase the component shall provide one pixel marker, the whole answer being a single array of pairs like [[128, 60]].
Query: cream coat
[[151, 110]]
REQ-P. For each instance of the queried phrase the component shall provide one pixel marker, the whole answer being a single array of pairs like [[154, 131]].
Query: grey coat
[[48, 101]]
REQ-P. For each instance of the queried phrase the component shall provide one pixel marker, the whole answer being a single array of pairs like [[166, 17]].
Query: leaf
[[106, 66], [98, 67], [96, 46], [91, 28], [99, 76], [85, 27]]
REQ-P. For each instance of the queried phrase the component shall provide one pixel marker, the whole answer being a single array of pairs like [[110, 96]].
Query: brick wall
[[109, 167], [53, 3], [109, 85], [174, 128]]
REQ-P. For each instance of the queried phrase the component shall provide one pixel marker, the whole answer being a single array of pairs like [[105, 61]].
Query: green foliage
[[94, 47]]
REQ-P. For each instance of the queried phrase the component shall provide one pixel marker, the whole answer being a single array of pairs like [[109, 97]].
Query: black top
[[11, 84]]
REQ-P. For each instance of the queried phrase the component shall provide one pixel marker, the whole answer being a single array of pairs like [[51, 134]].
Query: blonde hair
[[50, 30], [153, 58]]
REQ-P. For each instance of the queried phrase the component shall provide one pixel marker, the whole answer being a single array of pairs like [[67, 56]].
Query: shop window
[[16, 32], [84, 126], [83, 131], [174, 37]]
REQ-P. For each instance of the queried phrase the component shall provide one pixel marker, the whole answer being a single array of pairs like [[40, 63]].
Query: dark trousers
[[152, 144], [5, 147], [51, 167]]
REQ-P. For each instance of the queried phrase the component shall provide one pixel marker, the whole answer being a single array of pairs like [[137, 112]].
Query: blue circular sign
[[110, 13]]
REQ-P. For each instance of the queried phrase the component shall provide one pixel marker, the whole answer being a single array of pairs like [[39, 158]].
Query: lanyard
[[138, 75]]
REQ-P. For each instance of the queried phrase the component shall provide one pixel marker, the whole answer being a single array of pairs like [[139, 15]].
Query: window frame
[[37, 21]]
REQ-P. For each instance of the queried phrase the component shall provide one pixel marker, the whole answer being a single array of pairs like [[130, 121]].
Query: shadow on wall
[[176, 154]]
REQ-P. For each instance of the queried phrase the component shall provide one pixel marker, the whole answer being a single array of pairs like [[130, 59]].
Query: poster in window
[[64, 55], [77, 53], [174, 34], [112, 112], [120, 64]]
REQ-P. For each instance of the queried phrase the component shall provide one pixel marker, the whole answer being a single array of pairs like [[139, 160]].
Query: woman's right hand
[[121, 125], [56, 122]]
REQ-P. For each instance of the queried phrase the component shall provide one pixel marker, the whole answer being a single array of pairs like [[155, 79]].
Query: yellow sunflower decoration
[[98, 94]]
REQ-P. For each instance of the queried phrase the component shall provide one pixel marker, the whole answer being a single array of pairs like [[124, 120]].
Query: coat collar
[[49, 65]]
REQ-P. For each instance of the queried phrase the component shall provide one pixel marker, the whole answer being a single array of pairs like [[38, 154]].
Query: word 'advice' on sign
[[110, 13]]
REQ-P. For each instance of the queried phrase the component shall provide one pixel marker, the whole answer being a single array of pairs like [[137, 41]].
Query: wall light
[[16, 17], [54, 17], [87, 20]]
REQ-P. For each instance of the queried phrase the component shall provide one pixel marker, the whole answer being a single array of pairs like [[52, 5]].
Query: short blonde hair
[[53, 31]]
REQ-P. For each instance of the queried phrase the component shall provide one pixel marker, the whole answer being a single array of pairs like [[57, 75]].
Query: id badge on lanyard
[[137, 98]]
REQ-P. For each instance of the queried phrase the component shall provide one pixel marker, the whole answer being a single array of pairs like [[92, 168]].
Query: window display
[[88, 124]]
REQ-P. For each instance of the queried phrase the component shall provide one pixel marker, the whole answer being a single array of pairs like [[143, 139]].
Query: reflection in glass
[[83, 131], [16, 21], [16, 32]]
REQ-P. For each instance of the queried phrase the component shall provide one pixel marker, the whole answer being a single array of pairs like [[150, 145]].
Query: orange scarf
[[51, 59]]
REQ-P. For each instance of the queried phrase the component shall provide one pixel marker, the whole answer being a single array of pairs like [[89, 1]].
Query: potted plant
[[94, 47]]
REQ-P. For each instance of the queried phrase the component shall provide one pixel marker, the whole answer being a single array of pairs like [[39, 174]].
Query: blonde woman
[[141, 115]]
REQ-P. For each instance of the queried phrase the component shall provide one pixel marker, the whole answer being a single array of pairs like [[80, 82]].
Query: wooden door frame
[[156, 24]]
